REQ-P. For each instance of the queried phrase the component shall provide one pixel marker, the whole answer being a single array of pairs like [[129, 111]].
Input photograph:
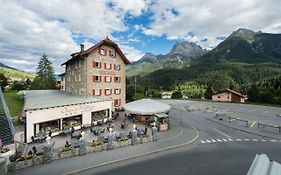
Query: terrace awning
[[146, 107]]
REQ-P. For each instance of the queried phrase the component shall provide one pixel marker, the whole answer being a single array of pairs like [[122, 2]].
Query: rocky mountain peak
[[187, 49]]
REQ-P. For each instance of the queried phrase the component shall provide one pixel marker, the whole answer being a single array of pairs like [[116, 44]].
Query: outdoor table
[[66, 131], [76, 135]]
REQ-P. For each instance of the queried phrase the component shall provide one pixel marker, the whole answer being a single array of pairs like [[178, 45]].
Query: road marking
[[224, 140], [213, 140], [208, 141], [273, 140], [219, 140], [203, 141], [255, 140], [230, 140], [221, 133], [247, 139], [238, 140], [263, 140], [253, 124]]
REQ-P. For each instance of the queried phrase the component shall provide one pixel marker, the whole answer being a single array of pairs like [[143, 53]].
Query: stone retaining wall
[[17, 165]]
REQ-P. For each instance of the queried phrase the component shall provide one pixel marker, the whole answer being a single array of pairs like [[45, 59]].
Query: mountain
[[4, 65], [249, 47], [243, 58], [178, 57], [14, 74], [148, 57]]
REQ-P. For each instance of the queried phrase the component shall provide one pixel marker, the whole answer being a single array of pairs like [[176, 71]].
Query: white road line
[[208, 141], [255, 140], [247, 139], [202, 141], [230, 140], [273, 140], [263, 140], [238, 140], [224, 140], [219, 140], [213, 140], [221, 133]]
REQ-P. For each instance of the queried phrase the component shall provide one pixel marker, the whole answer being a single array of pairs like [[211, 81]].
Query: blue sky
[[57, 27]]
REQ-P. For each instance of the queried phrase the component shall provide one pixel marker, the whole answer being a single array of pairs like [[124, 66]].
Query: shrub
[[177, 94], [122, 139], [26, 157], [65, 149], [96, 143]]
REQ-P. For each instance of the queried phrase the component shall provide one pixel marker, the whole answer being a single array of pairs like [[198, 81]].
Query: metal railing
[[7, 113]]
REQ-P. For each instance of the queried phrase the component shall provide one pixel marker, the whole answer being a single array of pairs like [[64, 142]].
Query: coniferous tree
[[209, 92], [45, 78]]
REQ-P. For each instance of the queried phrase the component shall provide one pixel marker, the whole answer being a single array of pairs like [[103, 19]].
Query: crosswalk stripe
[[202, 141], [238, 140], [247, 139], [263, 140], [230, 140], [208, 141], [273, 140], [219, 140], [255, 140], [213, 140], [224, 140]]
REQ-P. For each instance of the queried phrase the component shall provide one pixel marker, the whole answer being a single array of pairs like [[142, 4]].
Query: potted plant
[[4, 151]]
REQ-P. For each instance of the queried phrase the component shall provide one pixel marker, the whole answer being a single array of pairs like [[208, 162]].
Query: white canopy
[[146, 107]]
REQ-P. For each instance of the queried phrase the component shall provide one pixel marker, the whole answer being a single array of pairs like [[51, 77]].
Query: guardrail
[[272, 126]]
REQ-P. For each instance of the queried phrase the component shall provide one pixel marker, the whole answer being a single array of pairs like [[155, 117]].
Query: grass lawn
[[14, 102]]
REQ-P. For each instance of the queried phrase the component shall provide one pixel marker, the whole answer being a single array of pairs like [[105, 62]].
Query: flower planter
[[6, 154]]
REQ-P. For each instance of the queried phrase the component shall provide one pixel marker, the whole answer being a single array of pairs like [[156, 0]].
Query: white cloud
[[131, 53], [32, 27], [212, 18]]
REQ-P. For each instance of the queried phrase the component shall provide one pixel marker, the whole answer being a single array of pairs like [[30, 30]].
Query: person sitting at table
[[72, 129], [50, 134], [67, 144], [30, 152], [34, 149]]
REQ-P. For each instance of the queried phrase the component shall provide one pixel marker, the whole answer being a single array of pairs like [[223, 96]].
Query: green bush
[[177, 94]]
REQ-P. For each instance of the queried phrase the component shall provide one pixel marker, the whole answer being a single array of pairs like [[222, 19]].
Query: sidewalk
[[178, 135]]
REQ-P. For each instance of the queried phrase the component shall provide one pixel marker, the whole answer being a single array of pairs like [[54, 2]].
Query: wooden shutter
[[94, 92], [100, 91], [105, 52]]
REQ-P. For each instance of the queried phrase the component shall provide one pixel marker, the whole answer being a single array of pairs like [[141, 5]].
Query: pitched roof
[[106, 41], [231, 91]]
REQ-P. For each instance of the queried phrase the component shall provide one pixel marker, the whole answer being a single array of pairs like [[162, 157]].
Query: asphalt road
[[211, 159], [219, 150]]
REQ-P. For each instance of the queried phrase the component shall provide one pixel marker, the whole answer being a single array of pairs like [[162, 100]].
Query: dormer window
[[112, 53], [102, 51]]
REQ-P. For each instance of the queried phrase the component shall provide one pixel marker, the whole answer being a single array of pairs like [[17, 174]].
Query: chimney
[[82, 47]]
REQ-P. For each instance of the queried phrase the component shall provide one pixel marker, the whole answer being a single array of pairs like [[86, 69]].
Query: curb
[[136, 156], [241, 129]]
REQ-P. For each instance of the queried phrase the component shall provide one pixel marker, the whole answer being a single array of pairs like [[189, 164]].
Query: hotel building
[[98, 71]]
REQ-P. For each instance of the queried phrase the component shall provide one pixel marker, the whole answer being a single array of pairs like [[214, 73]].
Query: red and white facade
[[98, 71]]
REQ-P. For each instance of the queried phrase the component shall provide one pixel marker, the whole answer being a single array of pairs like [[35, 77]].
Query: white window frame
[[79, 77], [107, 66], [107, 79], [102, 51], [107, 92], [97, 92], [117, 67], [75, 77], [117, 91]]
